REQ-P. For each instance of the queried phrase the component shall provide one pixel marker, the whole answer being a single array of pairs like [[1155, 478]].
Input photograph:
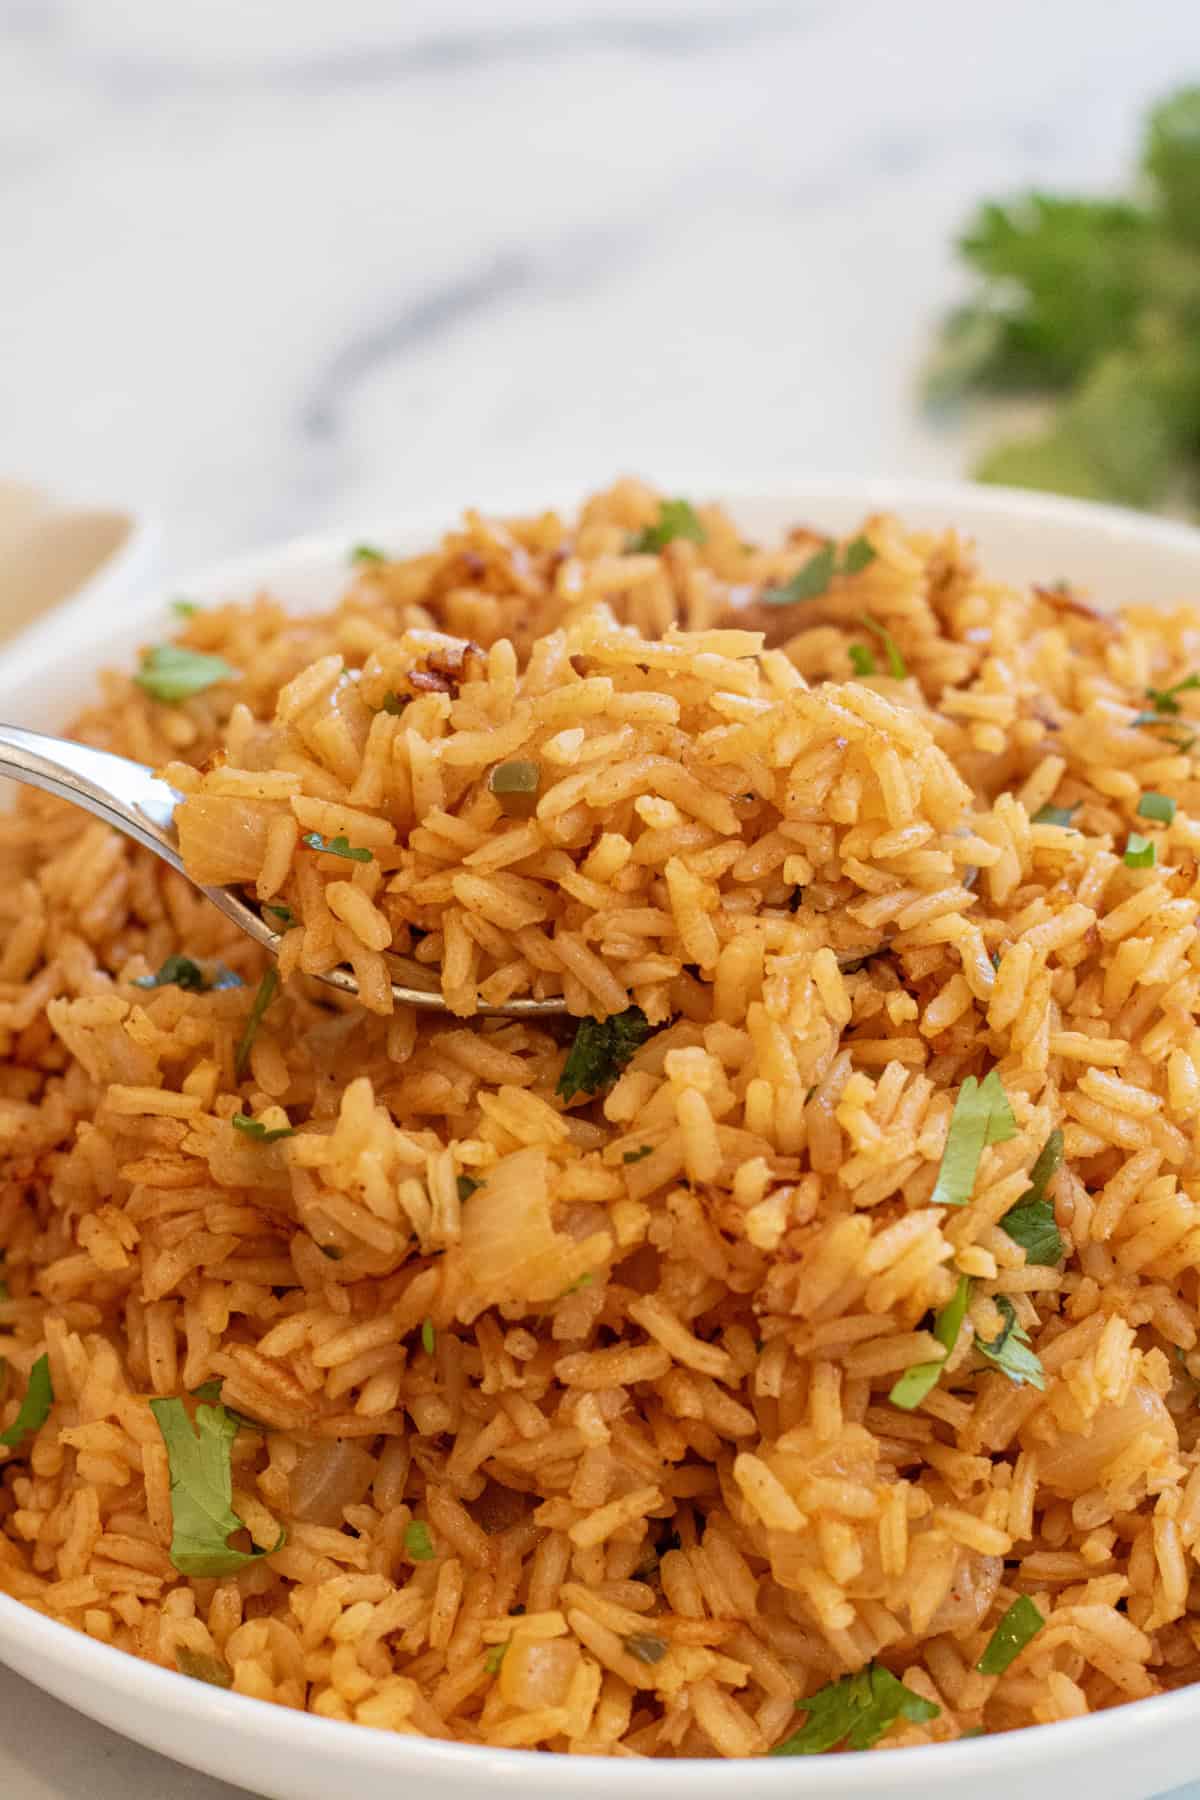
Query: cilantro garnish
[[336, 846], [182, 972], [202, 1515], [1030, 1222], [895, 662], [367, 553], [676, 519], [254, 1128], [428, 1337], [185, 609], [1139, 851], [921, 1378], [1019, 1626], [284, 914], [981, 1116], [170, 673], [862, 659], [466, 1186], [856, 1711], [1010, 1351], [203, 1668], [1159, 807], [638, 1155], [578, 1285], [35, 1407], [263, 997], [601, 1049], [1055, 815], [858, 555], [1164, 700], [210, 1393], [1092, 303], [418, 1542]]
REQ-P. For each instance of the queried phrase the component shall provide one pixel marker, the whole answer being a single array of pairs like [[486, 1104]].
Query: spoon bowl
[[133, 800]]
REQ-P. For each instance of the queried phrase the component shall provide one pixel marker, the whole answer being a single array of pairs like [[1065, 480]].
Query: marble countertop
[[276, 265]]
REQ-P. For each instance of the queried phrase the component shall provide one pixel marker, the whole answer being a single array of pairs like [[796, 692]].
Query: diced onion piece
[[222, 838], [1074, 1462], [971, 1593], [327, 1479], [509, 1243], [538, 1672]]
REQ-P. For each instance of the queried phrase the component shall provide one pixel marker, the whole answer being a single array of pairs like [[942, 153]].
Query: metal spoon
[[130, 798]]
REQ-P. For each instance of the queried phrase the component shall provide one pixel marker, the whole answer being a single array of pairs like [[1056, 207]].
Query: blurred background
[[268, 265]]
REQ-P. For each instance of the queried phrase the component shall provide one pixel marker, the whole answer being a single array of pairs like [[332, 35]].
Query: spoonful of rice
[[133, 800]]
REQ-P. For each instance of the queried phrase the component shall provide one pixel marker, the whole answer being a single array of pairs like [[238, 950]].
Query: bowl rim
[[121, 1675]]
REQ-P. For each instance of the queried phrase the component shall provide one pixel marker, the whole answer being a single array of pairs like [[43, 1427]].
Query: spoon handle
[[122, 793]]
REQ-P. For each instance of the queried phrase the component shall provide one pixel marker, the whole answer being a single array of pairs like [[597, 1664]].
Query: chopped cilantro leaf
[[812, 579], [921, 1378], [367, 553], [201, 1469], [1178, 740], [418, 1542], [862, 659], [1019, 1626], [638, 1155], [182, 972], [601, 1049], [336, 846], [578, 1285], [895, 662], [858, 555], [1010, 1351], [981, 1116], [184, 609], [1055, 815], [467, 1185], [35, 1407], [254, 1128], [264, 994], [1159, 807], [203, 1668], [1164, 700], [1030, 1222], [170, 673], [428, 1337], [284, 914], [856, 1711], [676, 519], [1139, 851]]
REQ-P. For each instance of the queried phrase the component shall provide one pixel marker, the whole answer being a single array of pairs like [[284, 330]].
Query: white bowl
[[1125, 1754]]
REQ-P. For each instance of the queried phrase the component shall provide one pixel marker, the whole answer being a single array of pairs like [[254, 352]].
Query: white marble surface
[[270, 264]]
